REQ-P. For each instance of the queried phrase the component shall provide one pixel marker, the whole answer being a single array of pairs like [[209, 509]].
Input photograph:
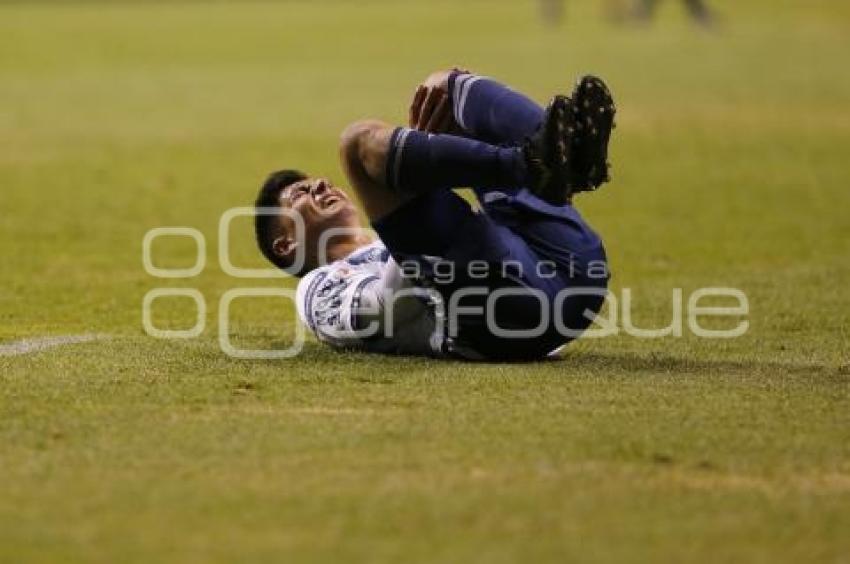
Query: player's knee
[[364, 146]]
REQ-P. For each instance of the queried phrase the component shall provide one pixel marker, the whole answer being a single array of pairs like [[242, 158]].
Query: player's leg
[[364, 146], [699, 11], [387, 166], [489, 110], [492, 112], [552, 11], [644, 9]]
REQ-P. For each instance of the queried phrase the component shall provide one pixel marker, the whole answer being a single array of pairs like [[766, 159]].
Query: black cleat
[[548, 154], [594, 116]]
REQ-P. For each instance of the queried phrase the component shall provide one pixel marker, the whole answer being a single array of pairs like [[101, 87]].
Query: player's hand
[[431, 109]]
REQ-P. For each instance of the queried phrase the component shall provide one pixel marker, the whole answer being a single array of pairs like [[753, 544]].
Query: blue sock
[[491, 111], [419, 161]]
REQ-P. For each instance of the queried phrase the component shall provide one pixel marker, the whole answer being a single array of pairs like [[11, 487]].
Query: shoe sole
[[594, 115]]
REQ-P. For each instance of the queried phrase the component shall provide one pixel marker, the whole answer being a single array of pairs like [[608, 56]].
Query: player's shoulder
[[335, 277]]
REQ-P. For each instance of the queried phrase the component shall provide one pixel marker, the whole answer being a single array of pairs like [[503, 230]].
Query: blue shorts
[[536, 255]]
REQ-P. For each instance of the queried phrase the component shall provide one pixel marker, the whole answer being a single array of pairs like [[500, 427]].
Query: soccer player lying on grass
[[514, 280]]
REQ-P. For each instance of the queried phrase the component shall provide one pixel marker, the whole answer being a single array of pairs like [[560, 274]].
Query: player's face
[[317, 200], [320, 204]]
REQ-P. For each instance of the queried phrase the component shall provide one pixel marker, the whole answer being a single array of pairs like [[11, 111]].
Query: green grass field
[[731, 169]]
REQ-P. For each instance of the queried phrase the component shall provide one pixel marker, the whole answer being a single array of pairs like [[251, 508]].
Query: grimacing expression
[[321, 205]]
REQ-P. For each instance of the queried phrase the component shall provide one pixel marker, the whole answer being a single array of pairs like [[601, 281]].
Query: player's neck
[[341, 248]]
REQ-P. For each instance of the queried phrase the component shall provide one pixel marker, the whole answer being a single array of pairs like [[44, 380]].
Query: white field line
[[37, 344]]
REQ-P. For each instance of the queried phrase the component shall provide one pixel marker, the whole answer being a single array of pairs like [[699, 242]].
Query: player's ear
[[284, 246]]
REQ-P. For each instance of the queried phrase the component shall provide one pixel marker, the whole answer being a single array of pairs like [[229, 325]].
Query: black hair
[[265, 225]]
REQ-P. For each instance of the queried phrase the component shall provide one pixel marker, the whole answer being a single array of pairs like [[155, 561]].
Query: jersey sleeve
[[342, 306]]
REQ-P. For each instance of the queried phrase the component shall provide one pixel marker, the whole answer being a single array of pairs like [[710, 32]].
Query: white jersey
[[363, 302]]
